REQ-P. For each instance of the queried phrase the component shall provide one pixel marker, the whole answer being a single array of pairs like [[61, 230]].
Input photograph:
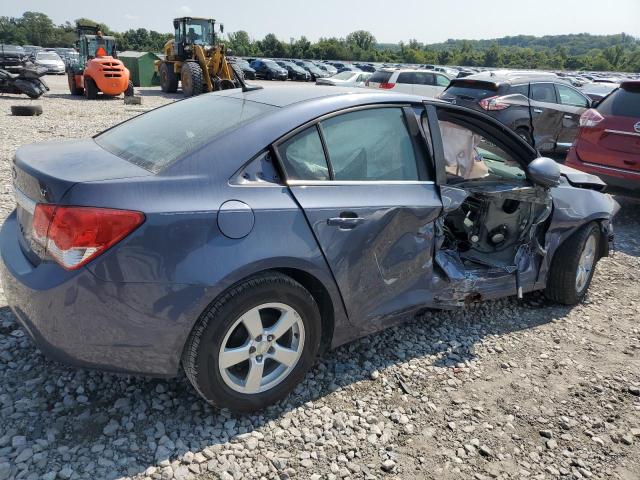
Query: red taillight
[[74, 236], [493, 103], [590, 118], [387, 86]]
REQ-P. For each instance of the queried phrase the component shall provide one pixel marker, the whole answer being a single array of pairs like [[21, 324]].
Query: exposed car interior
[[495, 230]]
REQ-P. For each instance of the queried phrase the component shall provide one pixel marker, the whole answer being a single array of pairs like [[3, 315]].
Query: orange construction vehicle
[[98, 68]]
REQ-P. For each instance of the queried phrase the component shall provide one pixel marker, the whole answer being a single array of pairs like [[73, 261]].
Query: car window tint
[[568, 96], [543, 92], [303, 156], [521, 89], [406, 77], [442, 81], [371, 144], [624, 102], [380, 77], [424, 78], [158, 138]]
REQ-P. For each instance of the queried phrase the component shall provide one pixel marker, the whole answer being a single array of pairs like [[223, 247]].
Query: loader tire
[[26, 110], [191, 79], [168, 78], [129, 92]]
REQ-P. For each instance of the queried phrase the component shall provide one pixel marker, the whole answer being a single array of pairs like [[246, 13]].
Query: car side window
[[543, 92], [406, 77], [303, 156], [568, 96], [521, 89], [424, 78], [372, 144], [442, 81]]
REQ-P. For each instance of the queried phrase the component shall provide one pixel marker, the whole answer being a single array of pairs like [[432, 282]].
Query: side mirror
[[545, 172]]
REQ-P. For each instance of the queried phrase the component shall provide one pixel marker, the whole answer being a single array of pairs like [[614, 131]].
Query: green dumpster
[[141, 67]]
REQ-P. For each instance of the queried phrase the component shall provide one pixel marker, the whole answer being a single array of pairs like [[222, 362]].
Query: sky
[[428, 21]]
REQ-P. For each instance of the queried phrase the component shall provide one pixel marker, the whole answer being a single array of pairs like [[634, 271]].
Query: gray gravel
[[505, 389]]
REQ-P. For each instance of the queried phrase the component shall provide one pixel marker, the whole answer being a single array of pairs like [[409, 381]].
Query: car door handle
[[568, 117], [537, 110], [345, 221], [630, 162]]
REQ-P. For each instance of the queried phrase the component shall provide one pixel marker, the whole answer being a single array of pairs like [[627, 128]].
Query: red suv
[[608, 143]]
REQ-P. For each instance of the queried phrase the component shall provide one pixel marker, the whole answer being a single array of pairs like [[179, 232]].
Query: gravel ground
[[505, 389]]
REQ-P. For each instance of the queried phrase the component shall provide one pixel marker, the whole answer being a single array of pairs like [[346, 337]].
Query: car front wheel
[[254, 344], [573, 266]]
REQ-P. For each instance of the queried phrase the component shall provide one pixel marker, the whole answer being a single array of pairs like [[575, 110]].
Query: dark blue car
[[241, 233]]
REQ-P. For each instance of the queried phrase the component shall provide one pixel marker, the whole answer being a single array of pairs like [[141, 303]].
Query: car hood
[[53, 63], [578, 178]]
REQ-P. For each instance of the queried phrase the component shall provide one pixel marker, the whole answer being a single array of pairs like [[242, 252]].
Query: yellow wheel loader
[[196, 59]]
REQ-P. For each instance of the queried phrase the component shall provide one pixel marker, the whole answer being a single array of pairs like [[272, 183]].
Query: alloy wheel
[[261, 348], [586, 263]]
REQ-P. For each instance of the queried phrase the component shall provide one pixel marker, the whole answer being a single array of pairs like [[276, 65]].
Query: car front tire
[[253, 344], [573, 266]]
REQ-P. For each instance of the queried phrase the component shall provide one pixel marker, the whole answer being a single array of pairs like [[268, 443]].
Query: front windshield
[[48, 56], [199, 32], [271, 63], [98, 44]]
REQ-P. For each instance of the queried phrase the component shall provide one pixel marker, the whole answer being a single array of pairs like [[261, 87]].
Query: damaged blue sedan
[[239, 234]]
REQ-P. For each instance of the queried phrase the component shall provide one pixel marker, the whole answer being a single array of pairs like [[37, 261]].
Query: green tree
[[240, 43], [38, 28], [362, 39], [492, 56]]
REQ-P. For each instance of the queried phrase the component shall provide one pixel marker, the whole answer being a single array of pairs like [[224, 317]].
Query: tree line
[[573, 52]]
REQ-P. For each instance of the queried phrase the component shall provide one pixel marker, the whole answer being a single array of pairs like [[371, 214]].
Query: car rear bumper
[[79, 320], [617, 179]]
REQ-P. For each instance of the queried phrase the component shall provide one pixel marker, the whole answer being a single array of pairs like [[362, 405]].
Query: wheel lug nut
[[259, 358], [270, 338], [252, 350], [259, 338], [271, 350]]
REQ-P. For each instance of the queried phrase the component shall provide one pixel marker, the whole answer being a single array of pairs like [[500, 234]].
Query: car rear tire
[[168, 78], [253, 344], [90, 89], [191, 78], [26, 110], [573, 265]]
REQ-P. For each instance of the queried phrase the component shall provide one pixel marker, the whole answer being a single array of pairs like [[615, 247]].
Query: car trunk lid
[[44, 173]]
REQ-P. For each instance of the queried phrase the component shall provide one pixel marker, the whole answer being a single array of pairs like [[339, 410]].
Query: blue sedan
[[241, 233]]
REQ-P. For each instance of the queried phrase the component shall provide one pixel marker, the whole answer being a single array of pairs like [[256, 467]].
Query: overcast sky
[[428, 21]]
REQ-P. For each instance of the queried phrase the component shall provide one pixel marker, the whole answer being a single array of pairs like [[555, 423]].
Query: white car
[[51, 61], [345, 79], [426, 83]]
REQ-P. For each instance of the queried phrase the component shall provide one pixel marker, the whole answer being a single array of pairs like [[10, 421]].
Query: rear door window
[[624, 102], [543, 92], [424, 78], [521, 89], [372, 144], [442, 81], [407, 77], [569, 96], [303, 156]]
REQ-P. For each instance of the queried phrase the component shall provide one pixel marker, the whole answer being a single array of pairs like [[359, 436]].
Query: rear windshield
[[380, 77], [471, 90], [624, 102], [160, 137]]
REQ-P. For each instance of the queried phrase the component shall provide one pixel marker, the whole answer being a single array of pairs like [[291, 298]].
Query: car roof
[[510, 79], [283, 96]]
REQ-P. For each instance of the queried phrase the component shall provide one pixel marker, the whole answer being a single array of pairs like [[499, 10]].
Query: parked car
[[418, 82], [11, 56], [325, 67], [247, 71], [345, 79], [134, 251], [312, 68], [597, 91], [51, 61], [608, 143], [295, 72], [269, 70], [365, 67], [543, 111]]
